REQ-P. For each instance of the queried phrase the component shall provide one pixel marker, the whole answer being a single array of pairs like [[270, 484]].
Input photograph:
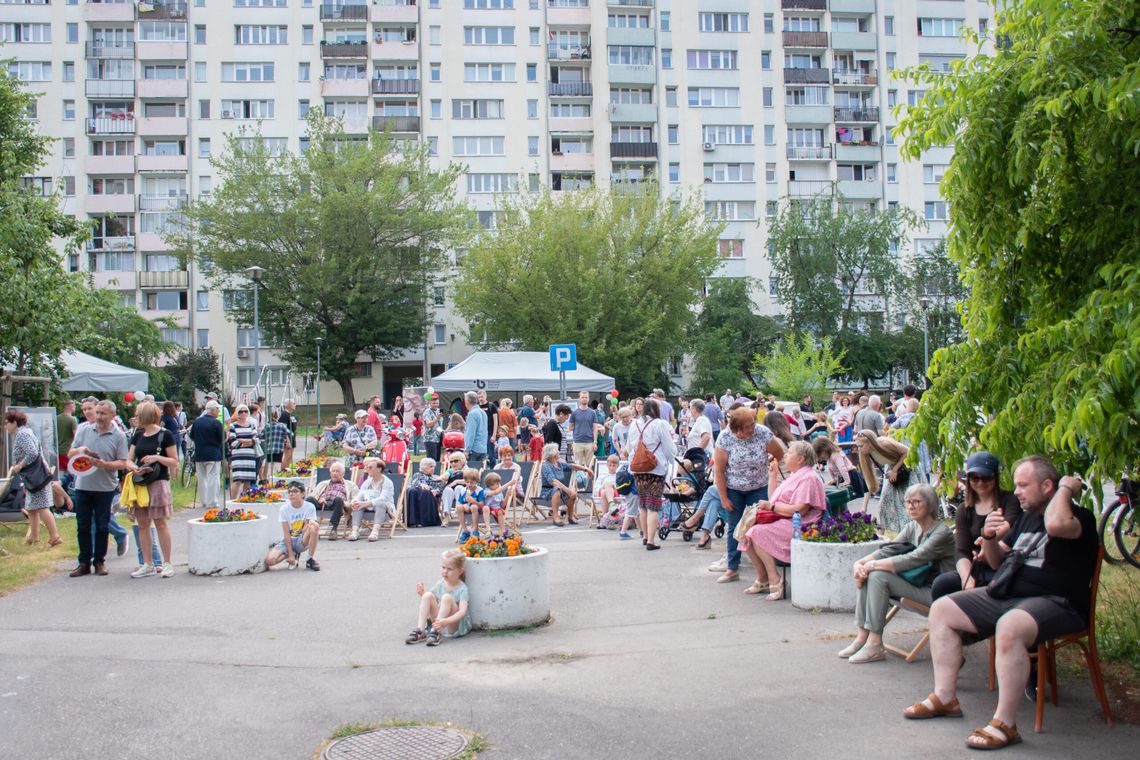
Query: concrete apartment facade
[[745, 102]]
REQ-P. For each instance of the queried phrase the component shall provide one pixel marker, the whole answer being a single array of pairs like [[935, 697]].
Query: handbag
[[1001, 586], [763, 517], [918, 576], [36, 475], [902, 475], [747, 520], [643, 460], [145, 475]]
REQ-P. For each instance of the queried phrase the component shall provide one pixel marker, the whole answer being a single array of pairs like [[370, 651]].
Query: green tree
[[197, 370], [726, 336], [799, 366], [868, 352], [1046, 229], [349, 235], [615, 272]]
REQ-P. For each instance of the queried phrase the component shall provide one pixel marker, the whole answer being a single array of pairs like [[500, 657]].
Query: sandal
[[433, 638], [757, 588], [55, 541], [416, 636], [704, 544], [919, 710], [775, 592], [983, 739]]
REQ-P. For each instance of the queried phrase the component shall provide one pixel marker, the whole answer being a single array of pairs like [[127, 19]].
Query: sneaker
[[354, 535], [166, 571], [144, 571], [464, 536], [374, 535], [720, 566], [625, 536], [124, 546], [475, 534]]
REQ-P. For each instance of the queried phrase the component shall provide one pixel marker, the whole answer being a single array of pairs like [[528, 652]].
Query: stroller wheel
[[718, 531], [687, 535], [663, 532]]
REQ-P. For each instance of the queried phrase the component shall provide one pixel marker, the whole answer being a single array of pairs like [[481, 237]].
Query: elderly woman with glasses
[[376, 493], [422, 497], [243, 441], [923, 549]]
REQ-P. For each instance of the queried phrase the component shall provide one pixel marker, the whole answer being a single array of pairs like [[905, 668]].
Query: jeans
[[118, 532], [431, 448], [337, 506], [155, 550], [492, 455], [92, 506], [710, 503], [476, 460], [739, 500], [417, 441]]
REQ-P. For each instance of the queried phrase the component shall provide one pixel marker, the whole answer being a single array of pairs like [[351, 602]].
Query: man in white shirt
[[700, 433]]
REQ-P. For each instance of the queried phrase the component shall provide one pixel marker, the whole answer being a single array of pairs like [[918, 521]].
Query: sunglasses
[[976, 476]]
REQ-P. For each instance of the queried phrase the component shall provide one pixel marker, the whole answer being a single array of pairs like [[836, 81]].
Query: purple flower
[[843, 537]]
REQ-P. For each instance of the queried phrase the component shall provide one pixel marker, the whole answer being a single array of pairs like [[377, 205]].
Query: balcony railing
[[110, 125], [632, 3], [805, 39], [116, 49], [846, 77], [809, 152], [162, 202], [809, 187], [333, 12], [126, 243], [556, 52], [571, 89], [633, 150], [344, 49], [396, 123], [857, 114], [807, 76], [177, 278], [395, 86], [160, 9], [804, 5], [110, 88]]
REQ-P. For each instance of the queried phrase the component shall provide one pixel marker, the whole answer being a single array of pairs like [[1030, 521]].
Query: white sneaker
[[374, 535], [719, 566], [144, 571], [354, 535], [167, 571]]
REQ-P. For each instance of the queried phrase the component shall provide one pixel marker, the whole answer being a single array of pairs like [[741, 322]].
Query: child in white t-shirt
[[300, 531]]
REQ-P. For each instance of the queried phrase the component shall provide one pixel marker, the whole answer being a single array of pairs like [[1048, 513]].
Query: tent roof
[[90, 373], [517, 371]]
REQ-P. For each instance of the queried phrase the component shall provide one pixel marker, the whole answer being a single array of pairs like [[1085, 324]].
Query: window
[[727, 134], [890, 61], [674, 173], [435, 35], [203, 147], [165, 71], [440, 334], [711, 59], [855, 172], [666, 58], [247, 109], [69, 110], [488, 35], [307, 34], [492, 183], [199, 34], [72, 33], [478, 146], [730, 211], [302, 109], [889, 26], [235, 299], [437, 296], [892, 98], [771, 208], [806, 96], [200, 71], [726, 22], [770, 173], [165, 300], [112, 186], [260, 3], [630, 55], [304, 72], [983, 26], [673, 133], [532, 72], [532, 108], [246, 34], [934, 210], [769, 23], [488, 220], [665, 20], [731, 249], [670, 97], [724, 173], [203, 337], [489, 5], [490, 72], [20, 32], [30, 71], [892, 173], [68, 186], [767, 97], [247, 337], [769, 134], [939, 27], [532, 145], [476, 109], [436, 109], [69, 147], [932, 173], [714, 97], [162, 31], [435, 72], [535, 38], [766, 60], [247, 72], [69, 71], [433, 145]]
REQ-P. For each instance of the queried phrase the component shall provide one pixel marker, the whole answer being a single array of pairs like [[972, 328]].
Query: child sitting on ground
[[470, 499], [605, 490], [444, 610], [300, 531], [496, 491]]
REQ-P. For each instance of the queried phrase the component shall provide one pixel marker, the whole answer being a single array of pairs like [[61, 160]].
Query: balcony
[[398, 11], [116, 49], [557, 15], [163, 88], [344, 49], [861, 152], [869, 114], [114, 280], [110, 88], [807, 76], [802, 114], [809, 188], [174, 126], [161, 51], [805, 39], [332, 12], [809, 152], [854, 41], [109, 165], [124, 11], [857, 190], [395, 51], [853, 6], [163, 164], [156, 241], [556, 52], [112, 125], [633, 150], [162, 202], [122, 243], [630, 3], [395, 87], [625, 36], [396, 123], [156, 10], [846, 78], [109, 204], [344, 88], [622, 73], [176, 279], [803, 5], [570, 89], [571, 162], [625, 113]]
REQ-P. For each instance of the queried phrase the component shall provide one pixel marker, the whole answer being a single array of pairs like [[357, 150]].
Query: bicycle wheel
[[187, 473], [1112, 553], [1127, 531]]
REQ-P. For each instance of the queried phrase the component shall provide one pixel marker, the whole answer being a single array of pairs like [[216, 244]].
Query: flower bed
[[227, 547], [263, 501], [508, 581]]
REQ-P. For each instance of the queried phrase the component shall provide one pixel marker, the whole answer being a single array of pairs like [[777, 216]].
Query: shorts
[[632, 505], [1054, 615], [298, 546], [275, 458]]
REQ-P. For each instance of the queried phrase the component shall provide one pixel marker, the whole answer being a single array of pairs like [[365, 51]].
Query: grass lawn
[[25, 565]]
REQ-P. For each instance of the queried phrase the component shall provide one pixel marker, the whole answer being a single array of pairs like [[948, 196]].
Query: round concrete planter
[[821, 574], [509, 592], [305, 480], [271, 510], [226, 548]]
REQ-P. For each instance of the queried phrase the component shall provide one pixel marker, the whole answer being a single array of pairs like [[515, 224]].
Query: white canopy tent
[[90, 373], [517, 371]]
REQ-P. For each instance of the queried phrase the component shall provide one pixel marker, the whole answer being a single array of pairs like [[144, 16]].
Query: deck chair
[[399, 490], [566, 480], [510, 496], [912, 654], [595, 517], [1046, 657]]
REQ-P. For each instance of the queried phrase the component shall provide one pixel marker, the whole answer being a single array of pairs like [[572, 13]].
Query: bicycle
[[1119, 513], [186, 474]]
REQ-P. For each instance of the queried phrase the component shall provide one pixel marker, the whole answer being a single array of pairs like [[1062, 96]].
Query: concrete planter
[[821, 574], [509, 592], [226, 548], [272, 511], [306, 480]]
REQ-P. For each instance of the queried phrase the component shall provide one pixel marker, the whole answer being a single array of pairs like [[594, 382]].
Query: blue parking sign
[[563, 358]]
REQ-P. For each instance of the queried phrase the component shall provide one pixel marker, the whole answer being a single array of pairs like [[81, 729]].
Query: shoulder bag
[[918, 576], [36, 475], [643, 460], [1001, 587]]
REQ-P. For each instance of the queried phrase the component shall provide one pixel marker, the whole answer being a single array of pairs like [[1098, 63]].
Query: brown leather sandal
[[983, 739], [919, 711]]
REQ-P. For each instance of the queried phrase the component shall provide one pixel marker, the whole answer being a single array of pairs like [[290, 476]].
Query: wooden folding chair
[[595, 517], [912, 654], [399, 498], [509, 494], [1046, 657]]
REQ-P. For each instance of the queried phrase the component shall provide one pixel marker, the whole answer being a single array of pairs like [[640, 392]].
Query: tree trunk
[[345, 384]]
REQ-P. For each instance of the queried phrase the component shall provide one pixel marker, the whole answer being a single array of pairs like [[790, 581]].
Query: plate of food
[[81, 464]]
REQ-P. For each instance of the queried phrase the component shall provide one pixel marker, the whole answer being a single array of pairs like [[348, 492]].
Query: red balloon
[[128, 397], [614, 394]]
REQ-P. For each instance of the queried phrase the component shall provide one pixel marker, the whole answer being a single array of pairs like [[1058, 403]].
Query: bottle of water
[[796, 526]]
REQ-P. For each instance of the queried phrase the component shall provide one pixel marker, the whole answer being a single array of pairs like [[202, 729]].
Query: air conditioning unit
[[243, 353], [709, 147], [227, 114]]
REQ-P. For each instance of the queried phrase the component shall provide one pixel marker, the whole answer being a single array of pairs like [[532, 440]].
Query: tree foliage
[[190, 371], [615, 272], [726, 336], [799, 366], [349, 235], [1046, 228]]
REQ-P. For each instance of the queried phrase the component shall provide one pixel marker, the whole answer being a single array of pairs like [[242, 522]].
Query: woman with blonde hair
[[153, 454], [876, 450]]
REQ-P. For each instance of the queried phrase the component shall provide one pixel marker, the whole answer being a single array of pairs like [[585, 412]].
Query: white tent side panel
[[90, 373], [517, 371]]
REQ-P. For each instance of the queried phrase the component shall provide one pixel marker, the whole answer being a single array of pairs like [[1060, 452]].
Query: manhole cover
[[399, 743]]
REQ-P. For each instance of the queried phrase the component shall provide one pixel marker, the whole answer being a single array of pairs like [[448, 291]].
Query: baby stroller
[[685, 493]]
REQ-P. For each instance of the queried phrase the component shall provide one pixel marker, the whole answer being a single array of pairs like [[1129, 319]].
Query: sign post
[[563, 359]]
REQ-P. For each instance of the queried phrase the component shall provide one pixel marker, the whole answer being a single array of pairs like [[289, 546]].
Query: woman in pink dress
[[802, 491]]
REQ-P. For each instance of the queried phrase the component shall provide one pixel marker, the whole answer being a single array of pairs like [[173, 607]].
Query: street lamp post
[[925, 342], [255, 273], [319, 342]]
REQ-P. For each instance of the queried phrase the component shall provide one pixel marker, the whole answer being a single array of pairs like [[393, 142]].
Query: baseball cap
[[982, 463], [361, 413], [212, 395]]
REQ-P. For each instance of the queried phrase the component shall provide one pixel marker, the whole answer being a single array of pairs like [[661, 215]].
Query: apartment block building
[[744, 102]]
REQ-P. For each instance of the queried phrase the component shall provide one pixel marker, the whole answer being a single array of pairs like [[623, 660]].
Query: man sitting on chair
[[336, 494], [1049, 597]]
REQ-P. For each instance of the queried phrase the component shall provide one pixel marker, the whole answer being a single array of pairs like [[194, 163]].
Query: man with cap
[[225, 413], [359, 439], [209, 438]]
